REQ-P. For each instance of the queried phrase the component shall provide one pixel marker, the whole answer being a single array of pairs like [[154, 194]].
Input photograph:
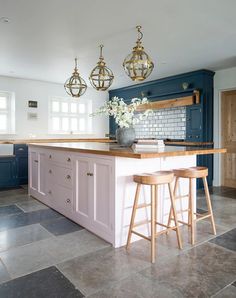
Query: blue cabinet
[[21, 154], [8, 172], [194, 123]]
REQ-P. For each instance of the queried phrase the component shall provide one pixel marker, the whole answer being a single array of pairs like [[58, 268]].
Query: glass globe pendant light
[[138, 65], [101, 76], [75, 86]]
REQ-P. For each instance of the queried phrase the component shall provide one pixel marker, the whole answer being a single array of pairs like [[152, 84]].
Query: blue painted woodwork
[[8, 172], [199, 125], [21, 153]]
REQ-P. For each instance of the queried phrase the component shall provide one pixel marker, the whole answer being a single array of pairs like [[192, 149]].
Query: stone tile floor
[[43, 254]]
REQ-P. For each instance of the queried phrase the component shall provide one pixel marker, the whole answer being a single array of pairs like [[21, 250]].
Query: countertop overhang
[[112, 149]]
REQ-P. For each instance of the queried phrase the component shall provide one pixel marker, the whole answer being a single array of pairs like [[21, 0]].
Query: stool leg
[[133, 215], [153, 222], [209, 207], [192, 219], [172, 198], [175, 191], [156, 198]]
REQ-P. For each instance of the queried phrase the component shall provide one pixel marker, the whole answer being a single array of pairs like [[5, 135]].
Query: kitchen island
[[91, 183]]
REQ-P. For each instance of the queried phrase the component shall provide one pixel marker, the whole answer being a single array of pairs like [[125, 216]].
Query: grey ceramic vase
[[125, 136]]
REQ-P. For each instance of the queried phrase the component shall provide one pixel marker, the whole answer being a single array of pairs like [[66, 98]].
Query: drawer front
[[60, 157], [59, 198], [60, 175], [20, 149]]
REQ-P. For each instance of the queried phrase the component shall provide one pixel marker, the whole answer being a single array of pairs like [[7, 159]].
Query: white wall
[[41, 91], [224, 80]]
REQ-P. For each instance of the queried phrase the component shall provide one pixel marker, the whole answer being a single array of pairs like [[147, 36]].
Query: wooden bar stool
[[193, 217], [153, 179]]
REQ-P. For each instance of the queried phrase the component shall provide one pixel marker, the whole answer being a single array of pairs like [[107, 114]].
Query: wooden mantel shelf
[[172, 103]]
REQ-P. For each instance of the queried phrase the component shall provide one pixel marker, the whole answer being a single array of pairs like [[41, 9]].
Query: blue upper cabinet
[[199, 126]]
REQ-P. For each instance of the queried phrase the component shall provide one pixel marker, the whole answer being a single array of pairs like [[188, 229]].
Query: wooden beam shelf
[[172, 103]]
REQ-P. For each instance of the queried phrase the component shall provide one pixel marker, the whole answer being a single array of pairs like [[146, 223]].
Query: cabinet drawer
[[60, 157], [59, 175], [60, 198]]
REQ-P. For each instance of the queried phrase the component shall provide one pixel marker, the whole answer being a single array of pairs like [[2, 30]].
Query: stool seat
[[155, 178], [192, 172]]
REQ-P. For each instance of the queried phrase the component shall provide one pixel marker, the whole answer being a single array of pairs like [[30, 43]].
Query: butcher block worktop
[[112, 149]]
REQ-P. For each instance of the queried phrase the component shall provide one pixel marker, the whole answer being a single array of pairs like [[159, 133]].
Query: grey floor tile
[[228, 292], [4, 275], [12, 192], [29, 218], [227, 240], [41, 254], [31, 205], [49, 282], [21, 236], [200, 272], [136, 286], [102, 268], [218, 202], [226, 216], [9, 210], [61, 226], [9, 200]]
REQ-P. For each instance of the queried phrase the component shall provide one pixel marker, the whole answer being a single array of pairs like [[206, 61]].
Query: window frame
[[69, 115], [9, 112]]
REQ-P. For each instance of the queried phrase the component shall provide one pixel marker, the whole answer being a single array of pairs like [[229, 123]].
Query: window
[[67, 115], [7, 113]]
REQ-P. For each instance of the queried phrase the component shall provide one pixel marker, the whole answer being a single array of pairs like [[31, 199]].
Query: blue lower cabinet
[[22, 169], [8, 173]]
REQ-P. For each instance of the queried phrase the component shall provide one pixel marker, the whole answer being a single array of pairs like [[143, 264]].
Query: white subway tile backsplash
[[167, 123]]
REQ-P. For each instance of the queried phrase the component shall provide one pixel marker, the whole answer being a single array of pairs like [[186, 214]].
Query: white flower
[[124, 114]]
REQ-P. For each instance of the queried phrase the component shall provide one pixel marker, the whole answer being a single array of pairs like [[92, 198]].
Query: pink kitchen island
[[92, 183]]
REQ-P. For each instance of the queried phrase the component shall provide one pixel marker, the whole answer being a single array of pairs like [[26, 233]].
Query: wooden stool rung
[[143, 205], [181, 197], [201, 217], [140, 223], [141, 235]]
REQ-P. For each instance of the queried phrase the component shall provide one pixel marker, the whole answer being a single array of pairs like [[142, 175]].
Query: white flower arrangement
[[123, 113]]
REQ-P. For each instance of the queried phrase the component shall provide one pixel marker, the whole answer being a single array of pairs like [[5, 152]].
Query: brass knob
[[68, 177], [68, 159], [68, 201], [50, 171], [50, 156], [50, 192]]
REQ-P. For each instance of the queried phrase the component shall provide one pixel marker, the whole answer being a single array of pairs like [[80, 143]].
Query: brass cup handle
[[68, 177], [36, 160], [90, 174], [67, 200]]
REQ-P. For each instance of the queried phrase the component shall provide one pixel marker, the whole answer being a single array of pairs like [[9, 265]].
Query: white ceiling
[[43, 36]]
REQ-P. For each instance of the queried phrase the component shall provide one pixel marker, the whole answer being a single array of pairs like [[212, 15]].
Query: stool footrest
[[141, 235], [143, 205], [202, 216], [181, 197]]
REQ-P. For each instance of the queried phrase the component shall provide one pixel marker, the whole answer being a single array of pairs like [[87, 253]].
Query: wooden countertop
[[102, 140], [27, 141], [112, 149]]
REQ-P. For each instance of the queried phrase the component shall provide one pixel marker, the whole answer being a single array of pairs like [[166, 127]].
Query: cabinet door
[[22, 169], [102, 196], [33, 161], [7, 172], [42, 173], [82, 202], [194, 123]]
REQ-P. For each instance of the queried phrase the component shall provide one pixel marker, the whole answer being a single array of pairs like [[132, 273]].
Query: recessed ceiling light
[[4, 20]]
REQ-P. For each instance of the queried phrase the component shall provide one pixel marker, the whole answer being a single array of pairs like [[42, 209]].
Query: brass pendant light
[[101, 76], [138, 65], [75, 86]]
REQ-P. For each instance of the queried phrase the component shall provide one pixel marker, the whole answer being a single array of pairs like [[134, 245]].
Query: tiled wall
[[162, 124]]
